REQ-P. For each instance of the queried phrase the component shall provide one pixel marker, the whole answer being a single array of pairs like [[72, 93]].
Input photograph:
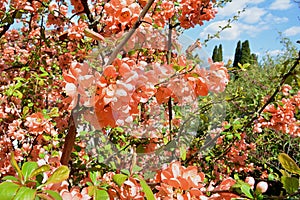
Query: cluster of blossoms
[[173, 181], [235, 157], [185, 183], [118, 91], [176, 181], [126, 13], [281, 115]]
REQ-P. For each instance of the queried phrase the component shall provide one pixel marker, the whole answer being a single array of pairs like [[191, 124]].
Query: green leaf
[[227, 126], [183, 152], [271, 177], [25, 110], [93, 177], [45, 73], [91, 190], [288, 163], [54, 112], [43, 196], [290, 184], [11, 178], [25, 193], [125, 171], [41, 169], [59, 175], [15, 166], [148, 192], [246, 189], [53, 194], [119, 179], [237, 126], [284, 173], [8, 190], [229, 136], [18, 94], [101, 195], [28, 168], [136, 168], [18, 85]]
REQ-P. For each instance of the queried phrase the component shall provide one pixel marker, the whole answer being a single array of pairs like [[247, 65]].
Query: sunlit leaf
[[12, 178], [59, 175], [15, 166], [28, 168], [148, 192], [285, 173], [246, 190], [91, 190], [53, 194], [125, 171], [288, 163], [25, 110], [41, 169], [8, 190], [136, 168], [44, 196], [18, 94], [183, 152], [93, 176], [25, 193], [101, 195], [119, 179], [290, 184]]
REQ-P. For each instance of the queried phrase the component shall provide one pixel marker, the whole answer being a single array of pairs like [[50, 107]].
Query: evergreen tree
[[215, 54], [253, 59], [246, 53], [237, 55], [220, 54]]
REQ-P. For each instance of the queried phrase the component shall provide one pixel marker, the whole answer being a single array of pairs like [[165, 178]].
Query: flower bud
[[250, 180], [262, 186]]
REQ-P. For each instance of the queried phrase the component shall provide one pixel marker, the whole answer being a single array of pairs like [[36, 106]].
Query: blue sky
[[260, 23]]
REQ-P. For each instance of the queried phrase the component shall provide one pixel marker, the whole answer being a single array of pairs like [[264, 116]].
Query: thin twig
[[130, 33]]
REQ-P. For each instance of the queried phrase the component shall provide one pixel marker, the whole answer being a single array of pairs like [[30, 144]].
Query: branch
[[130, 33], [69, 141], [87, 10], [7, 26]]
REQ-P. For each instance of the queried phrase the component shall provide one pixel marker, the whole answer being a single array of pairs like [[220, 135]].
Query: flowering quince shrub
[[282, 115], [179, 182], [115, 69]]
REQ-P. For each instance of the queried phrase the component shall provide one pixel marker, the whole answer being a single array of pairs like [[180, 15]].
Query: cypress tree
[[220, 54], [237, 55], [254, 59], [246, 54], [215, 54]]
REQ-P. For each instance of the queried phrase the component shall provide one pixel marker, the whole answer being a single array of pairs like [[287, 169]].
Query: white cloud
[[269, 18], [294, 30], [228, 34], [253, 15], [236, 5], [233, 33], [281, 5]]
